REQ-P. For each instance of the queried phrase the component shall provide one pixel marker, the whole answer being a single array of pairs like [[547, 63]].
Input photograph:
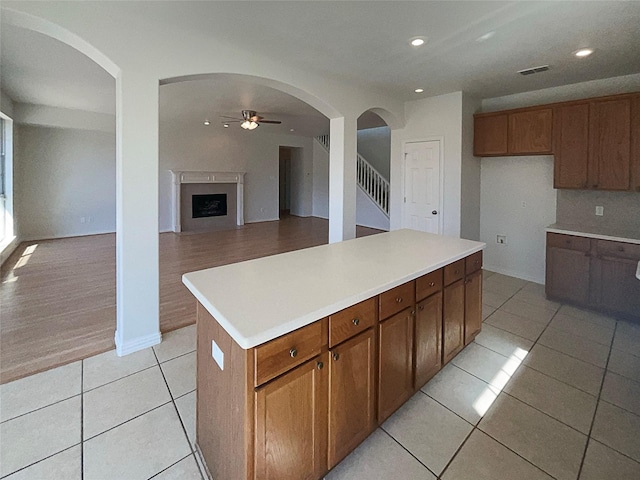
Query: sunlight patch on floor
[[489, 395]]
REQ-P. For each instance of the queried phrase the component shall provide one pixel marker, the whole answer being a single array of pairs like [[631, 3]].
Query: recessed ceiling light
[[226, 125], [418, 41], [486, 36], [292, 130], [419, 90], [207, 122], [583, 52]]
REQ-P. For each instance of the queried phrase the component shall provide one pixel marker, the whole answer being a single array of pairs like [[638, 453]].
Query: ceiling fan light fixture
[[583, 52], [249, 125]]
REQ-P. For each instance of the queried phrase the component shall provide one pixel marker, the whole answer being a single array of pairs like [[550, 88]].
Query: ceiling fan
[[250, 120]]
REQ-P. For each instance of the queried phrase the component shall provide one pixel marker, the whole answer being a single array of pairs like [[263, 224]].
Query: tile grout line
[[172, 465], [407, 450], [595, 411], [40, 408], [41, 460], [184, 430]]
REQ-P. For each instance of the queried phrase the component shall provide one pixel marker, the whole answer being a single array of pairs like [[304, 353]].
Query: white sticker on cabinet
[[217, 354]]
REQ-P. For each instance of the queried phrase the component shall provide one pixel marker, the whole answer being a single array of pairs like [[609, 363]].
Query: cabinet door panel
[[618, 288], [428, 339], [530, 132], [490, 135], [571, 146], [291, 424], [567, 275], [610, 144], [635, 143], [472, 306], [453, 321], [395, 363], [351, 395]]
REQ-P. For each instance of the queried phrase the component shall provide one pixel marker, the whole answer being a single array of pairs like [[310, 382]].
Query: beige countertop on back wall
[[602, 233]]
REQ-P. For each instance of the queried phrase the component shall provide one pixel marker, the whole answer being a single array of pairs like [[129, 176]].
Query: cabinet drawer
[[284, 353], [428, 284], [351, 321], [453, 272], [618, 249], [396, 299], [580, 244], [473, 262]]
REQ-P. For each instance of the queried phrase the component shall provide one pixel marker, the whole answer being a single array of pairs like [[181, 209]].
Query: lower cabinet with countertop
[[295, 406], [594, 272]]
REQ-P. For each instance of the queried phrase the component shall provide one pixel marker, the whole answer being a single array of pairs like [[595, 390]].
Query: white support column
[[137, 261], [396, 181], [342, 179]]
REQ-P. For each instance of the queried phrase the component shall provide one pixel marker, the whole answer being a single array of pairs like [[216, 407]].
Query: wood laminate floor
[[58, 298]]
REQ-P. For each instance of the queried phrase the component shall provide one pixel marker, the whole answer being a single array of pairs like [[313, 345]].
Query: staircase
[[374, 185]]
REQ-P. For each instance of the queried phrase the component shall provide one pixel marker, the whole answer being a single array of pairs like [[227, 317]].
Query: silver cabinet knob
[[398, 299], [432, 284], [293, 352], [356, 321], [336, 356], [320, 365]]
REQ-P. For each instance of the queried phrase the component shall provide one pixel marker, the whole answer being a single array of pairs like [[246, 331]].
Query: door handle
[[435, 212]]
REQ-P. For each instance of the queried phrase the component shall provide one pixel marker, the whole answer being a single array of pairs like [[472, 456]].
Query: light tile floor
[[546, 391]]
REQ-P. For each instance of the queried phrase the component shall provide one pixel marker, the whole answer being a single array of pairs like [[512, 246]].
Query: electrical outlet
[[524, 204], [83, 219], [501, 239], [89, 219], [600, 211]]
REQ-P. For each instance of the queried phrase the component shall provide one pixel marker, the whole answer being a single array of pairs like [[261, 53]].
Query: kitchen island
[[301, 355]]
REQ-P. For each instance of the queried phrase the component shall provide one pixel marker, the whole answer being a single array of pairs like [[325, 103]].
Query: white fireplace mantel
[[206, 177]]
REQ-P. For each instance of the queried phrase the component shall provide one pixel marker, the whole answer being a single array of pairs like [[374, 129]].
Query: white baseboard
[[511, 273], [140, 343]]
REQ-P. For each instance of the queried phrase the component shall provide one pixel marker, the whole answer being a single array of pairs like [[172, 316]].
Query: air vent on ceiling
[[531, 71]]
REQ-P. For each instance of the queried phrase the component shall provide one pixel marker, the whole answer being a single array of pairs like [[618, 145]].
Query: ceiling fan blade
[[275, 122], [227, 116], [232, 121]]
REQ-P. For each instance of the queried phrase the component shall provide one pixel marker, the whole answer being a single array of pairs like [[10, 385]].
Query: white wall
[[212, 148], [374, 144], [431, 119], [470, 181], [368, 214], [320, 181], [62, 175], [518, 201], [45, 116], [6, 104]]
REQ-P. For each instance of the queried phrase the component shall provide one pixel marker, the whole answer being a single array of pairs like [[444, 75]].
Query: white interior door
[[422, 186]]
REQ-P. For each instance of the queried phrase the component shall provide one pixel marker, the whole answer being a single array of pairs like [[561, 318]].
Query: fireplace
[[207, 200], [209, 205]]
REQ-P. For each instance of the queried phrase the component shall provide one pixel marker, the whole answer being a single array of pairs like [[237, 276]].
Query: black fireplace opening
[[209, 205]]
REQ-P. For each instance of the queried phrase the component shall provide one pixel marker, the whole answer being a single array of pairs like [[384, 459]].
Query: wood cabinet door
[[395, 363], [530, 132], [635, 143], [291, 424], [568, 275], [617, 288], [610, 144], [452, 321], [490, 135], [571, 146], [428, 339], [351, 395], [472, 306]]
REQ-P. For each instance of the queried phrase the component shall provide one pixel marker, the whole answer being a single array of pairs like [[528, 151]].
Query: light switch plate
[[600, 211], [217, 354]]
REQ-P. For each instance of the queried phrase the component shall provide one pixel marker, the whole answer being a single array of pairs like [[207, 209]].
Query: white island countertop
[[601, 233], [258, 300]]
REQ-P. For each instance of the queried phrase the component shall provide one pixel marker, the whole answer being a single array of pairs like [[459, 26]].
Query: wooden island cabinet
[[296, 405]]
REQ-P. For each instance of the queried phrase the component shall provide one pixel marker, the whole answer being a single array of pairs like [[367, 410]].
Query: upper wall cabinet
[[596, 142], [525, 132]]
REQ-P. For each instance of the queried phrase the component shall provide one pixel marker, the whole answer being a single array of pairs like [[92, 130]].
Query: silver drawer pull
[[432, 284], [398, 299], [293, 352], [320, 365], [356, 321], [336, 356]]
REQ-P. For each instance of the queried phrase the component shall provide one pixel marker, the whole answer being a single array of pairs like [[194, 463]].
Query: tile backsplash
[[577, 207]]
